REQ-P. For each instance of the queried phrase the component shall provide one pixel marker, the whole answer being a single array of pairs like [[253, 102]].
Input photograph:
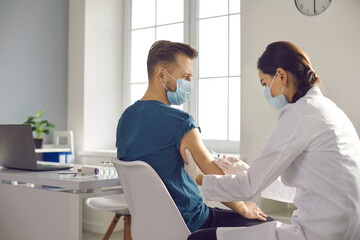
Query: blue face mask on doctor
[[277, 102], [182, 93]]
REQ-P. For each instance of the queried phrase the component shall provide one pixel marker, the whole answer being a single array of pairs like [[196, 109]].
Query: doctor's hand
[[199, 179], [251, 210], [190, 166], [231, 165]]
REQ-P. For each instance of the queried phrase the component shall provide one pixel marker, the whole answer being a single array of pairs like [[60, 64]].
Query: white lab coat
[[315, 149]]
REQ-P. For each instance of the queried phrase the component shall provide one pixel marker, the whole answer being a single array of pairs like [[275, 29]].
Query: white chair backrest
[[69, 139], [154, 215]]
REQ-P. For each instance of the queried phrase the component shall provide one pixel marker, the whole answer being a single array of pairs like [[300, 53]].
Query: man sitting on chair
[[152, 131]]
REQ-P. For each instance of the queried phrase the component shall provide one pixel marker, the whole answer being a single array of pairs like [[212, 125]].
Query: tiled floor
[[119, 235]]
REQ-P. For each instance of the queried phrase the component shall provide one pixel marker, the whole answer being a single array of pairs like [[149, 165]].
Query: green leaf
[[40, 113], [45, 122], [30, 122], [39, 126]]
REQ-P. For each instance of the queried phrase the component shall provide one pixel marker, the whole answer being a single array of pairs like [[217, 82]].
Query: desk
[[43, 205]]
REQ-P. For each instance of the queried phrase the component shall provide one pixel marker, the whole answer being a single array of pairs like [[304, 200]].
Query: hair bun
[[311, 76]]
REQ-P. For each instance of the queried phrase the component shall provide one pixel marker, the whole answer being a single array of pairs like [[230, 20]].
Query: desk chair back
[[68, 136], [154, 215]]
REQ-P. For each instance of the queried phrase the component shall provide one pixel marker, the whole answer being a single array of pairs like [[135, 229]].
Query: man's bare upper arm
[[192, 141]]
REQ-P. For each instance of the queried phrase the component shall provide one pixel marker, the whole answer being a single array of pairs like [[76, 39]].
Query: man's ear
[[159, 74], [284, 76]]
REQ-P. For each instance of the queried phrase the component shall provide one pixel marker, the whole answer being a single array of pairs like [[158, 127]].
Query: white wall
[[103, 71], [76, 72], [33, 60], [331, 40], [95, 70]]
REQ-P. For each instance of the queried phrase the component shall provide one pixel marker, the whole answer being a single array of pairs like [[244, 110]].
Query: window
[[150, 20], [212, 27]]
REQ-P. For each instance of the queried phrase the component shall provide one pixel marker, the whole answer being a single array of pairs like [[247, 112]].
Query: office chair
[[113, 203], [154, 213]]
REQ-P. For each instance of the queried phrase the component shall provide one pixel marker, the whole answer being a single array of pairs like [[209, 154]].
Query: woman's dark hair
[[292, 59]]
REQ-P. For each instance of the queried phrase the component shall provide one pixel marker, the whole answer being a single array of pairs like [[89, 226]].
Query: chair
[[68, 136], [113, 203], [154, 214]]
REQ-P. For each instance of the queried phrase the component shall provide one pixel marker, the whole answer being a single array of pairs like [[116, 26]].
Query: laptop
[[17, 149]]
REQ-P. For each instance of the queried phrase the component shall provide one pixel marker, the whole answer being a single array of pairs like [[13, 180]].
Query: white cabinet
[[61, 151]]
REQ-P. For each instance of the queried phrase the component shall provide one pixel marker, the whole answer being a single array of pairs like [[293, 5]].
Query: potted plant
[[39, 127]]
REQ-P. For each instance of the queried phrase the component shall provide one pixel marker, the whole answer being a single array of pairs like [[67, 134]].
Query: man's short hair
[[166, 51]]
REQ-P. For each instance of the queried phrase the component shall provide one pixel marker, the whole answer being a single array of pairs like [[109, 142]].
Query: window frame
[[191, 36]]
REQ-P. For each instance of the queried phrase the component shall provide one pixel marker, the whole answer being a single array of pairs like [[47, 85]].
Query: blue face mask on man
[[277, 102], [182, 93]]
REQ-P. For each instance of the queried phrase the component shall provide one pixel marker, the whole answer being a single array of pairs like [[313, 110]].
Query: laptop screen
[[17, 148]]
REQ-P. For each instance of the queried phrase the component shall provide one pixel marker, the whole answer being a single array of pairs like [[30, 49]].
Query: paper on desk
[[279, 192]]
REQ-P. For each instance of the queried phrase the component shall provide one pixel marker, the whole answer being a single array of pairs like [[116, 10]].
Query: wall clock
[[313, 7]]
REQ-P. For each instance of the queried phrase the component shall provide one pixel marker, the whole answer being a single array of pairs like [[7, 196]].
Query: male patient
[[152, 131]]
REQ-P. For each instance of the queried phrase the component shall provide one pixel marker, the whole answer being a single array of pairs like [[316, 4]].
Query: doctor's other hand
[[199, 179], [191, 168], [252, 211], [231, 165]]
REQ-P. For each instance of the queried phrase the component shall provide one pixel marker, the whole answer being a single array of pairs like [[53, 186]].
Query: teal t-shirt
[[151, 131]]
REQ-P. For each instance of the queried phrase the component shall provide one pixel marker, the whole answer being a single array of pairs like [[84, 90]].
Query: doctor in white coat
[[314, 148]]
